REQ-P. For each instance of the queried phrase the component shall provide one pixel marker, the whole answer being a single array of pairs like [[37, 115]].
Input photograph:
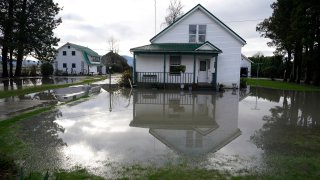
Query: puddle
[[18, 104], [21, 83], [228, 131]]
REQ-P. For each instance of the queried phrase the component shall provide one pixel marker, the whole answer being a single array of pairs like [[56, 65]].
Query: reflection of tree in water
[[292, 132], [40, 135], [292, 128]]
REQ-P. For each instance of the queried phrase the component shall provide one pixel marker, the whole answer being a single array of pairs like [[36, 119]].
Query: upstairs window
[[73, 53], [197, 33], [64, 53]]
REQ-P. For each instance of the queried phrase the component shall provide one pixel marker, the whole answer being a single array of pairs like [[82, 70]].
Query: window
[[68, 47], [203, 66], [97, 59], [175, 65], [197, 33], [64, 53], [64, 65], [192, 33], [202, 30], [73, 65], [73, 53]]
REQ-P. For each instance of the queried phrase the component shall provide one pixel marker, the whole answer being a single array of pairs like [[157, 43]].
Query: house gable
[[207, 46], [187, 19], [89, 56]]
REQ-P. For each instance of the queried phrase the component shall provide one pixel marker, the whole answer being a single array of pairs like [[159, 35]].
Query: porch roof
[[187, 48]]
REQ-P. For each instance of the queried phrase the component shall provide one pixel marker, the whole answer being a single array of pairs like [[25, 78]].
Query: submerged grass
[[27, 90], [281, 85]]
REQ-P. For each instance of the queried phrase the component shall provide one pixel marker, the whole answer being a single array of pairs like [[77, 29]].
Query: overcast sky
[[132, 22]]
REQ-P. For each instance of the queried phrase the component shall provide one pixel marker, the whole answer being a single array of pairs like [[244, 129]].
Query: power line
[[247, 20]]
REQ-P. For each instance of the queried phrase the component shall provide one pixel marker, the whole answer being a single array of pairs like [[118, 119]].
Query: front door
[[203, 71]]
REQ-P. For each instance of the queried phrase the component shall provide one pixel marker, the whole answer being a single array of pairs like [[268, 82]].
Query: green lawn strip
[[11, 144], [7, 127], [281, 85], [27, 90]]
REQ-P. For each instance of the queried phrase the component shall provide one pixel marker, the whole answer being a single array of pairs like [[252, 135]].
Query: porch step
[[205, 86]]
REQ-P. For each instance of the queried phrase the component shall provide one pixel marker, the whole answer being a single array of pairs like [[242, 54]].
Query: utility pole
[[258, 65], [155, 17]]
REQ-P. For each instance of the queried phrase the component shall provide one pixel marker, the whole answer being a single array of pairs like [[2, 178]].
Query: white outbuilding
[[245, 70], [78, 60]]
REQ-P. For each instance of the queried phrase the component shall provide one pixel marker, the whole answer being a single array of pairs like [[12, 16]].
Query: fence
[[170, 78]]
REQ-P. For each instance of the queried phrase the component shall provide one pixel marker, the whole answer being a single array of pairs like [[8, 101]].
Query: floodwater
[[20, 83], [17, 104], [227, 131]]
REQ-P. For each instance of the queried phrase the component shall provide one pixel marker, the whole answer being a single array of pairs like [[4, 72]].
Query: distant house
[[76, 59], [198, 48], [245, 66]]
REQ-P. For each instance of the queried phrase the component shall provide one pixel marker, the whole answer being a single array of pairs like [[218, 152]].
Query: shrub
[[124, 82], [243, 83], [46, 69], [33, 71], [271, 72]]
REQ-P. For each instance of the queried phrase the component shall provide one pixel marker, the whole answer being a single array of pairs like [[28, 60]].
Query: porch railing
[[170, 78]]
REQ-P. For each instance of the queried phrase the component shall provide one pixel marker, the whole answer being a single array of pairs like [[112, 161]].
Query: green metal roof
[[210, 14], [175, 48], [86, 52]]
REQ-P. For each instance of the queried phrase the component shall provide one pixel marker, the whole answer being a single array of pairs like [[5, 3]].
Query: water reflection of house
[[192, 124]]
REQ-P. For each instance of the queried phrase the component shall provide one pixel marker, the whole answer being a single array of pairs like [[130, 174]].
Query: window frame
[[73, 65], [174, 63], [73, 53], [195, 38], [64, 65], [64, 53]]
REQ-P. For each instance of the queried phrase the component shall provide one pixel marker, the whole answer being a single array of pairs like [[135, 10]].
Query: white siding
[[246, 64], [228, 61], [69, 59]]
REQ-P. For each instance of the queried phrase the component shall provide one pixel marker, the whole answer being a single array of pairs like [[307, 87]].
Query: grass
[[27, 90], [281, 85]]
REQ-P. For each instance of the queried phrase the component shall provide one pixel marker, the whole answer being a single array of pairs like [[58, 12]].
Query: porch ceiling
[[186, 48]]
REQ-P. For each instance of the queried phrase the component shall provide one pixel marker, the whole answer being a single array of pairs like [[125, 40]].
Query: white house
[[199, 45], [245, 66], [76, 59]]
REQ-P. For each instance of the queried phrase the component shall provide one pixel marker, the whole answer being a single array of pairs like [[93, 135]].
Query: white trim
[[246, 58], [207, 44]]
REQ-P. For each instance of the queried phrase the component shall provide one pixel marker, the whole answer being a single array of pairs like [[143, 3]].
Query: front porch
[[176, 64]]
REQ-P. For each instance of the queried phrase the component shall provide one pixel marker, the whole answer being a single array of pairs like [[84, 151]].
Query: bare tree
[[174, 12], [113, 44]]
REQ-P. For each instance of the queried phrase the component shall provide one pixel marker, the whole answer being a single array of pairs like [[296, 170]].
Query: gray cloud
[[71, 17]]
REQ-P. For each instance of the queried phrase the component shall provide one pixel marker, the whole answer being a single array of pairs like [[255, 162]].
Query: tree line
[[26, 28], [268, 66], [294, 29]]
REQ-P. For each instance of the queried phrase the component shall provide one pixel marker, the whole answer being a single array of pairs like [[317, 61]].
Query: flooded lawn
[[258, 130], [21, 83]]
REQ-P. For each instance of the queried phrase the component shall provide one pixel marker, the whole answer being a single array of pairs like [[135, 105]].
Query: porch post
[[134, 68], [194, 68], [164, 69], [216, 68]]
